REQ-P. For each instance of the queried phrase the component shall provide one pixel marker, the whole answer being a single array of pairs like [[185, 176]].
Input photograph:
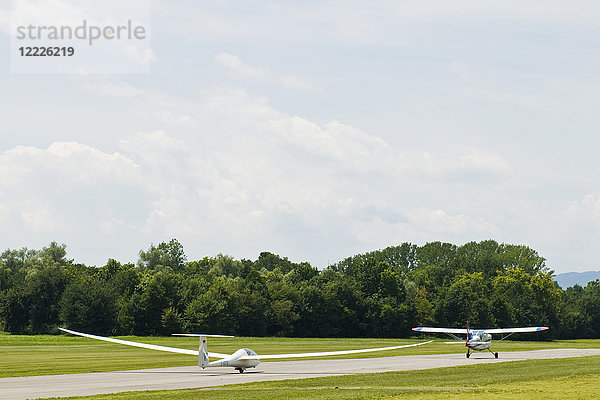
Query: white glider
[[240, 360]]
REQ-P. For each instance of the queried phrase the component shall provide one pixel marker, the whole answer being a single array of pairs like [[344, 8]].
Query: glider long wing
[[149, 346], [328, 353], [219, 355]]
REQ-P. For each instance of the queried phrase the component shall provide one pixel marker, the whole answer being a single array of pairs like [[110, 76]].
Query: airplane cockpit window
[[250, 352]]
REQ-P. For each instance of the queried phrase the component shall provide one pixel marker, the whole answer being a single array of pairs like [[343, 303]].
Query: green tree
[[214, 310], [15, 313], [467, 299], [171, 320], [589, 307], [89, 306], [166, 255], [55, 253]]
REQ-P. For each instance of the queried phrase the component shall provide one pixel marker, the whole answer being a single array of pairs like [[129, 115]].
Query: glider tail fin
[[202, 350], [203, 353]]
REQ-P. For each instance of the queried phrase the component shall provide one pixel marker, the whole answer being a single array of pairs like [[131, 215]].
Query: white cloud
[[587, 208], [114, 89], [440, 121], [5, 20], [239, 69], [177, 119], [439, 222], [234, 64], [138, 54], [71, 160], [151, 146], [344, 144], [40, 219], [462, 70], [68, 183], [112, 226], [247, 175], [87, 164], [384, 22]]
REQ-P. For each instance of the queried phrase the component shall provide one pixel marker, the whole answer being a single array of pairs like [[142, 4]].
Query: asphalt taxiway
[[34, 387]]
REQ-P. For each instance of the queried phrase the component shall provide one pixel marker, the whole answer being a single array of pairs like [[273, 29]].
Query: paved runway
[[34, 387]]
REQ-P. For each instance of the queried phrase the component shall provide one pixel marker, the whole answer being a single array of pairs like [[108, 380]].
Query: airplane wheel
[[468, 355], [496, 355]]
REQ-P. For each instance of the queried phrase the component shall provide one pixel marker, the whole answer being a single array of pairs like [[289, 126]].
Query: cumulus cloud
[[114, 89], [70, 160], [177, 119], [587, 208], [51, 190], [88, 165], [462, 70], [5, 20], [151, 146], [239, 69], [253, 177], [234, 64], [344, 144], [439, 222], [379, 23], [423, 225]]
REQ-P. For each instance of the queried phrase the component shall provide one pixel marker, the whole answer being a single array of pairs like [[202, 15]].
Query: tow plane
[[241, 359], [479, 339]]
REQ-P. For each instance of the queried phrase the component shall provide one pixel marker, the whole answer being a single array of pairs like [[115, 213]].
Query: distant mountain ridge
[[569, 279]]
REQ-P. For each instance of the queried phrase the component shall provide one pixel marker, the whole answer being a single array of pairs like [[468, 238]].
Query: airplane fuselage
[[479, 340], [235, 361]]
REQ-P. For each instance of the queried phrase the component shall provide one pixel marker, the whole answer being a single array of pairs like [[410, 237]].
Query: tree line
[[383, 293]]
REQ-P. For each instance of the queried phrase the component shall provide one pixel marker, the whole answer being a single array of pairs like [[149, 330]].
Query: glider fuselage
[[235, 360]]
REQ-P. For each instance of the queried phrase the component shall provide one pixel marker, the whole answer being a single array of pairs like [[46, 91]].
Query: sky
[[315, 130]]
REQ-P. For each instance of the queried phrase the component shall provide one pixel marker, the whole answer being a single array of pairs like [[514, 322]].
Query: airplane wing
[[517, 330], [148, 346], [328, 353], [219, 355], [457, 331]]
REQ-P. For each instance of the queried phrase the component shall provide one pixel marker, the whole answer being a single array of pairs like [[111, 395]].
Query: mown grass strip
[[59, 354], [572, 378]]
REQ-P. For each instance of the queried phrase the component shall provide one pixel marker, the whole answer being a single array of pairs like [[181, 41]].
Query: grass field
[[573, 379], [46, 354]]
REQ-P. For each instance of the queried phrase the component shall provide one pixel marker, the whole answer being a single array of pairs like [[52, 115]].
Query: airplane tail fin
[[203, 360], [468, 333], [203, 353]]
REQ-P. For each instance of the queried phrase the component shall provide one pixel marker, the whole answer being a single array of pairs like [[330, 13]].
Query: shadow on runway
[[199, 372], [311, 374]]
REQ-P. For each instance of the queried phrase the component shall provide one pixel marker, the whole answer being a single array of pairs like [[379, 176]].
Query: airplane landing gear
[[468, 354], [495, 354], [240, 369]]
